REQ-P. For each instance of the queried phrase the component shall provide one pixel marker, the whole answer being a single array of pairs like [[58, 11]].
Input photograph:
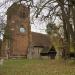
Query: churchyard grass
[[37, 67]]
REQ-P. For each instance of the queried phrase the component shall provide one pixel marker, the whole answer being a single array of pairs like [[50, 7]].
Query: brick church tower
[[18, 23], [19, 40]]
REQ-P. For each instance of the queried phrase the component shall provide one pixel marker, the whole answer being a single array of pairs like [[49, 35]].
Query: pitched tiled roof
[[39, 39]]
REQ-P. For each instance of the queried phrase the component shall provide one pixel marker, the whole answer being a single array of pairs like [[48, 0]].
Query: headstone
[[1, 61]]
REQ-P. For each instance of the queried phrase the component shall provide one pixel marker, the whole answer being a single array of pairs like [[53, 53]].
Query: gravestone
[[1, 61]]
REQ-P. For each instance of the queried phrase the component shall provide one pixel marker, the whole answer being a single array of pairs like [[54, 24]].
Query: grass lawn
[[36, 67]]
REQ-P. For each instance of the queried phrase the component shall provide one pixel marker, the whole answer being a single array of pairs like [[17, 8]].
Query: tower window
[[22, 29]]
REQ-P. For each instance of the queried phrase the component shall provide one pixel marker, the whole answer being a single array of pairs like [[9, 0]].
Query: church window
[[22, 29]]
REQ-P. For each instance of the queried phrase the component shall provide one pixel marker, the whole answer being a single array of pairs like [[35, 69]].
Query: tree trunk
[[66, 26], [73, 18], [0, 46]]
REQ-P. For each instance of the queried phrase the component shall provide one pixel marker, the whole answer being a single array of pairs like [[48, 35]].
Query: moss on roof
[[45, 50]]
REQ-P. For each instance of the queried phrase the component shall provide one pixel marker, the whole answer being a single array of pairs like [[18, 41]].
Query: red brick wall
[[20, 41]]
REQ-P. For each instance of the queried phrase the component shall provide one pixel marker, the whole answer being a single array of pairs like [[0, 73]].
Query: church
[[22, 41]]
